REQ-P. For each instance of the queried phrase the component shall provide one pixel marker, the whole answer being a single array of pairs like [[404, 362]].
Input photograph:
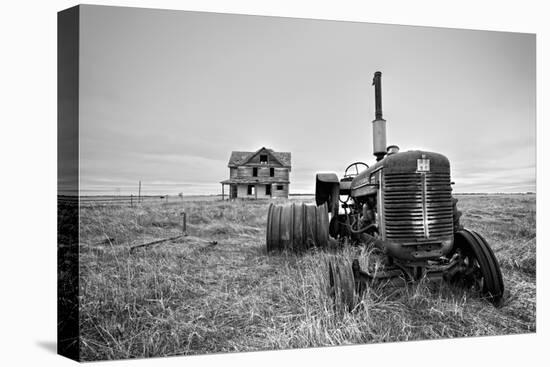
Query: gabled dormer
[[262, 157]]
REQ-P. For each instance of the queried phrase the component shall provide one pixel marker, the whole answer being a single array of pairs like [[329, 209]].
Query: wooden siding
[[279, 193], [246, 171], [242, 192], [281, 173]]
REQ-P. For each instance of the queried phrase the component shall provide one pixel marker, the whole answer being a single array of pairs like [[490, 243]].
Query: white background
[[28, 181]]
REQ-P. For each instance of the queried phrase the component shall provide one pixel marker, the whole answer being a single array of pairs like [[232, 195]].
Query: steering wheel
[[353, 169]]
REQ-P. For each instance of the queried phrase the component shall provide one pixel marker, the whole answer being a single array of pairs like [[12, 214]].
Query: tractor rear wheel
[[341, 284], [482, 269]]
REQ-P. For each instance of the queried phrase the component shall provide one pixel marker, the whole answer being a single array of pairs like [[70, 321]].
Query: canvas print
[[232, 183]]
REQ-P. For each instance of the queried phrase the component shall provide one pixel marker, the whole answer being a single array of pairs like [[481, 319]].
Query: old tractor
[[401, 205]]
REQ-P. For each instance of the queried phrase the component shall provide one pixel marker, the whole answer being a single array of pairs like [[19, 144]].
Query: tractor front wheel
[[341, 284], [481, 268]]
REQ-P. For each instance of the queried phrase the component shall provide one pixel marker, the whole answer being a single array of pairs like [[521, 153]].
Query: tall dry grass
[[191, 296]]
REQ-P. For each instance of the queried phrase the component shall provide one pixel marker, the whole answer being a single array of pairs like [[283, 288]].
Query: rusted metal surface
[[296, 227], [418, 209], [155, 242], [341, 284], [379, 124], [473, 264], [481, 261], [377, 82]]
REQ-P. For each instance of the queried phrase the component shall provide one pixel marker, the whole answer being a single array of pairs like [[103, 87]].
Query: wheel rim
[[482, 271], [473, 275], [341, 285]]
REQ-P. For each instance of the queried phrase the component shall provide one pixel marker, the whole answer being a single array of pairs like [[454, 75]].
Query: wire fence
[[132, 200]]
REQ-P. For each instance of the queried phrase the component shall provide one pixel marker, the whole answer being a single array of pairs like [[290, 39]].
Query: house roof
[[239, 158]]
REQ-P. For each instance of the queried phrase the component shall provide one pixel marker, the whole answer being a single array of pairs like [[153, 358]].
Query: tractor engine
[[404, 201]]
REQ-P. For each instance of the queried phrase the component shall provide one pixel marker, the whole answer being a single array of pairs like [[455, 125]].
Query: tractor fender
[[327, 190]]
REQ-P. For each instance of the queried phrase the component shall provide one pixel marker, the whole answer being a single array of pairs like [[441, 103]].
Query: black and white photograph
[[250, 183], [290, 182]]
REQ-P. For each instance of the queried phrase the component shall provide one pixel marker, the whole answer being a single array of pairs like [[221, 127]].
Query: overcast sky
[[165, 96]]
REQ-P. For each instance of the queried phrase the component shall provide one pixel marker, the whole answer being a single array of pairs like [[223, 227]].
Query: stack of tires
[[296, 227]]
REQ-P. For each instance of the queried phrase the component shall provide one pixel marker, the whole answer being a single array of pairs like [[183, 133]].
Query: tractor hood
[[413, 161]]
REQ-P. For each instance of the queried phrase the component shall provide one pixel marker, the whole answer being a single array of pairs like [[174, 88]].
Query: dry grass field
[[194, 295]]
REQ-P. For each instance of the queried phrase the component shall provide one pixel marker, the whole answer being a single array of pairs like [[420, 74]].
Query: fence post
[[184, 223]]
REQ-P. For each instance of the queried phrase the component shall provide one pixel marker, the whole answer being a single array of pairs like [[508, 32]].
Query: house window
[[268, 190], [279, 187], [271, 172], [251, 189], [255, 172], [263, 158]]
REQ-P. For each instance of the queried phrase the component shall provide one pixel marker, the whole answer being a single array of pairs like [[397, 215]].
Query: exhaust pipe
[[379, 124]]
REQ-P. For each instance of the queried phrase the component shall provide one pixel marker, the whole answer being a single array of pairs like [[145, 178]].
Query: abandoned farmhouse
[[262, 174]]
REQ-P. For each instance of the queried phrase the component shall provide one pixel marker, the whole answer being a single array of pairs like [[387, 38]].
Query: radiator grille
[[417, 206]]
